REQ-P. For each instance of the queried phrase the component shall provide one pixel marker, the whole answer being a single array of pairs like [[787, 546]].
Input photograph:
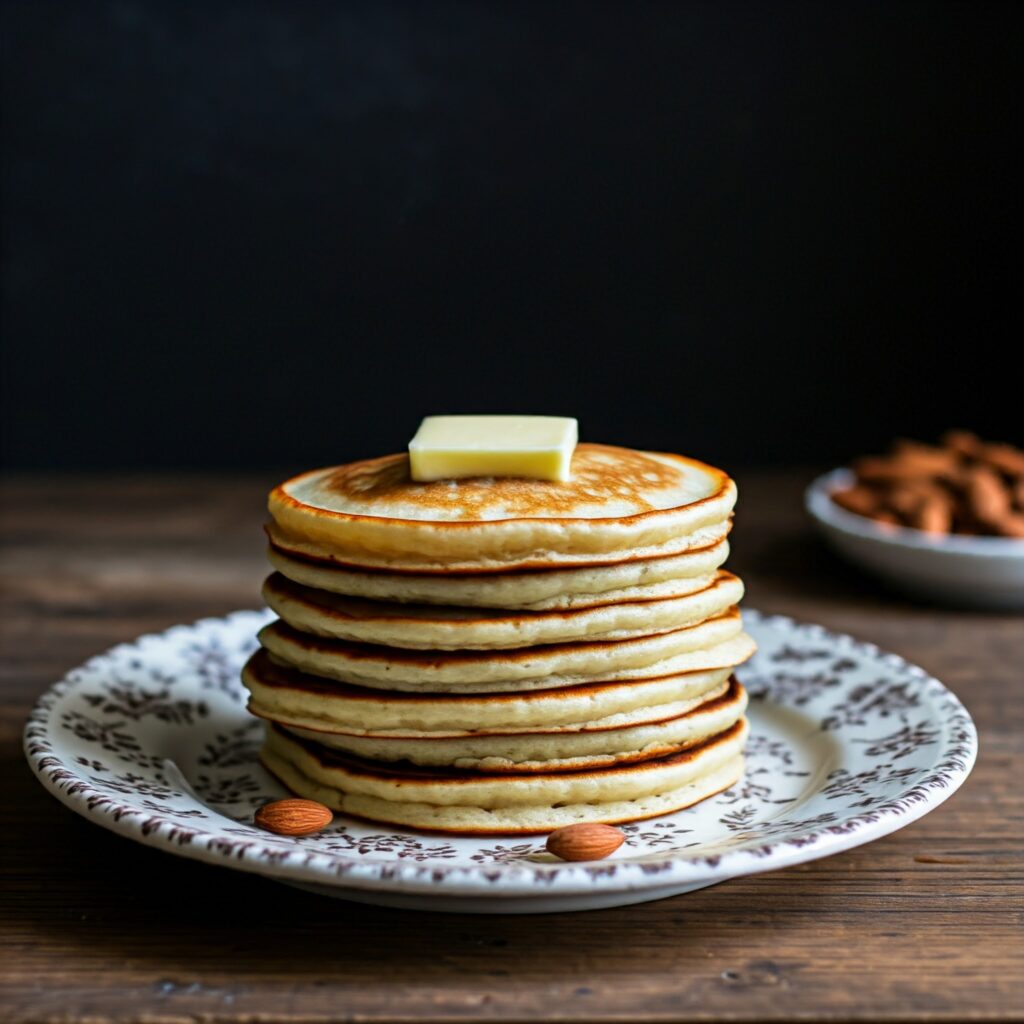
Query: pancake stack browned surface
[[503, 656]]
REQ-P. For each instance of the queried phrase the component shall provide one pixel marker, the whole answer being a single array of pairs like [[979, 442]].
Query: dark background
[[252, 234]]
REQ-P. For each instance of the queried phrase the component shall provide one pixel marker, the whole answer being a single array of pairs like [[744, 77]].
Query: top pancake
[[619, 505]]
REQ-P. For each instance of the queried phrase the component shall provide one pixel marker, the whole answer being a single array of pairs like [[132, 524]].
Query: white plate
[[152, 740], [976, 572]]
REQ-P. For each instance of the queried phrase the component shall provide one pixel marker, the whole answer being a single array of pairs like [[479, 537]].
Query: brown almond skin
[[1011, 525], [987, 497], [585, 841], [923, 459], [887, 518], [933, 515], [877, 469], [905, 502], [965, 485], [923, 505], [1005, 458], [963, 442], [862, 501], [1018, 494], [909, 465], [293, 817]]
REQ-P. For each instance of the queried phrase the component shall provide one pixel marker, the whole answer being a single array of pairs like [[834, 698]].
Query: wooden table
[[927, 924]]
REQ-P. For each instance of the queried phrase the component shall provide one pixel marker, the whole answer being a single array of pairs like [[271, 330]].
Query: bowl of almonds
[[944, 522]]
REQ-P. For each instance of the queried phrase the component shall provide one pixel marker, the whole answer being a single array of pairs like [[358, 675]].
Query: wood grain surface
[[927, 924]]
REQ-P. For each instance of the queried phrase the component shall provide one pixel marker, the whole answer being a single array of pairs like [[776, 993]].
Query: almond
[[987, 497], [1018, 494], [933, 515], [293, 817], [1005, 458], [860, 500], [963, 442], [585, 842]]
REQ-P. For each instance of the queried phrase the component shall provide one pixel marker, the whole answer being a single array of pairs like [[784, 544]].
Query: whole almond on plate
[[585, 842], [293, 817]]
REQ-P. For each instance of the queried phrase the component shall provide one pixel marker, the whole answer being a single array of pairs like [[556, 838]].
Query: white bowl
[[977, 572]]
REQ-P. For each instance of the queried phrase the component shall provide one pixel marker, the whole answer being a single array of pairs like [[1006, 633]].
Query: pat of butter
[[447, 447]]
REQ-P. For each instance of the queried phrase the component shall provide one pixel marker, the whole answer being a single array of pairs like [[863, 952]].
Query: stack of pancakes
[[503, 655]]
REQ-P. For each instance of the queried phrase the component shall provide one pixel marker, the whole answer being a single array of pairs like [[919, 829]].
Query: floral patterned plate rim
[[152, 740]]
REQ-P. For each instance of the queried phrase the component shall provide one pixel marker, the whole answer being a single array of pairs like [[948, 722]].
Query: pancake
[[502, 655], [587, 745], [619, 505], [293, 698], [449, 800], [302, 547], [692, 648], [635, 580], [440, 628]]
